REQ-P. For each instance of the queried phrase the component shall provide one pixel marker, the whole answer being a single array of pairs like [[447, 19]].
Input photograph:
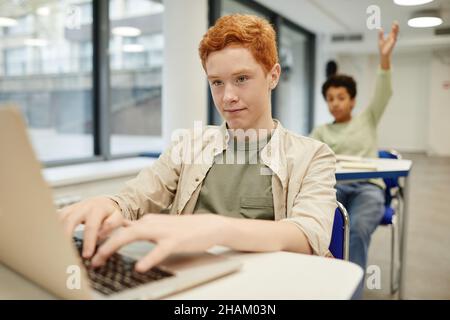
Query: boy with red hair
[[281, 197]]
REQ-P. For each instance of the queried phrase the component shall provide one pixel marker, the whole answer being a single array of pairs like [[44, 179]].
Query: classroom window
[[53, 58], [136, 54], [292, 91], [44, 73]]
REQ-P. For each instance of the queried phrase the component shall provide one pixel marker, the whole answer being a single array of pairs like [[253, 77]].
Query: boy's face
[[240, 88], [340, 103]]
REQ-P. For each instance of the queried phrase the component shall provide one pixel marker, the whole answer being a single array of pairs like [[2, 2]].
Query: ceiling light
[[126, 31], [7, 22], [43, 11], [424, 22], [425, 19], [133, 48], [411, 2], [35, 42]]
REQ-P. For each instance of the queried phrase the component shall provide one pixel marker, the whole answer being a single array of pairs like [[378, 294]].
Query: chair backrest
[[339, 244], [389, 182]]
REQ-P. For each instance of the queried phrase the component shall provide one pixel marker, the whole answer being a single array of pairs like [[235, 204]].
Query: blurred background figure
[[331, 69]]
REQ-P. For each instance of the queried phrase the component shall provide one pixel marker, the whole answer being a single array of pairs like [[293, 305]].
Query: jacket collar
[[272, 155]]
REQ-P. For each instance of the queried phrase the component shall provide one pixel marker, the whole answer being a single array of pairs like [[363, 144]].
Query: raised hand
[[386, 44]]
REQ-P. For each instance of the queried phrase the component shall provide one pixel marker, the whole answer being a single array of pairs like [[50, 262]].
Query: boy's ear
[[274, 76], [352, 103]]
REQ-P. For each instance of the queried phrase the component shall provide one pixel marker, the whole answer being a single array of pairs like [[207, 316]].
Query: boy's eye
[[216, 83], [241, 79]]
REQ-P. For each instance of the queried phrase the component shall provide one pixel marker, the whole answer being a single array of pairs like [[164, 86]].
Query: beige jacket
[[303, 180]]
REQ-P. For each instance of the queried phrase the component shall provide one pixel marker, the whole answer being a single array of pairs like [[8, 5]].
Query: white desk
[[279, 275], [387, 168]]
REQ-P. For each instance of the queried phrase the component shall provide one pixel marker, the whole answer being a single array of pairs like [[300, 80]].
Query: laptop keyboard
[[118, 273]]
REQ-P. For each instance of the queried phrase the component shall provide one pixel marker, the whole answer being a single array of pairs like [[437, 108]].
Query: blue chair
[[392, 214], [339, 245]]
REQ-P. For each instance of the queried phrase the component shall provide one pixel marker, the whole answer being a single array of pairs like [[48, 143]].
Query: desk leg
[[403, 233]]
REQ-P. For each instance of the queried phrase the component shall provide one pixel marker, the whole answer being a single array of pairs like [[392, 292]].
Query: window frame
[[101, 90]]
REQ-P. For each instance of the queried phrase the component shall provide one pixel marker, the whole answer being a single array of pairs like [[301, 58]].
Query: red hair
[[248, 31]]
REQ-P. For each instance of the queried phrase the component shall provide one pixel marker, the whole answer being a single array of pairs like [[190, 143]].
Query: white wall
[[184, 96], [404, 125], [439, 102]]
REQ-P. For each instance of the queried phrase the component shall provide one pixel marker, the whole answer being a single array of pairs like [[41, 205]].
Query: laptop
[[33, 243]]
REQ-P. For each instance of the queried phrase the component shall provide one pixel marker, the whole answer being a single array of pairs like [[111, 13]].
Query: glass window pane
[[45, 70], [232, 6], [136, 57], [292, 90]]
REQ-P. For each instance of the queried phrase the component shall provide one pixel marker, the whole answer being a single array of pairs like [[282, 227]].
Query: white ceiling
[[349, 16]]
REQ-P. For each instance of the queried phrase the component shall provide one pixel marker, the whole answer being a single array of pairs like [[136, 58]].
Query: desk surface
[[281, 275], [278, 275], [386, 168]]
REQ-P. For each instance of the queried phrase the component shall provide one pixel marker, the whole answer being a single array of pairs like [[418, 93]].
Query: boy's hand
[[171, 234], [100, 217], [386, 45]]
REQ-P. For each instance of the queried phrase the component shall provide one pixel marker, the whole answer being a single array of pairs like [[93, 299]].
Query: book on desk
[[355, 163]]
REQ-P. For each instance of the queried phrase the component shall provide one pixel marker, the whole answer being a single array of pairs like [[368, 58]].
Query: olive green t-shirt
[[238, 184]]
